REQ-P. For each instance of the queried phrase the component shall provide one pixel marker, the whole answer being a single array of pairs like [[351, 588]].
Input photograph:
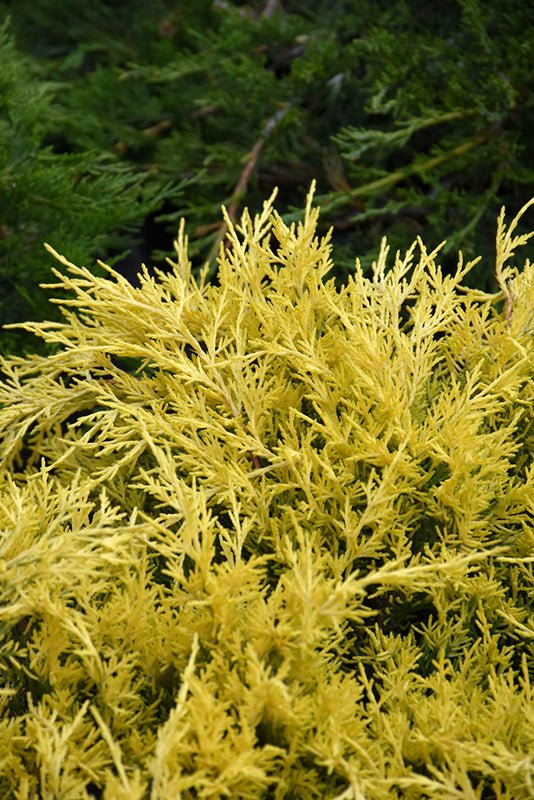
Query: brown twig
[[509, 304], [270, 7], [241, 185], [255, 460], [240, 188]]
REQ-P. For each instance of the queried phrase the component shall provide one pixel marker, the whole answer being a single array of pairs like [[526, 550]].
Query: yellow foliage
[[271, 538]]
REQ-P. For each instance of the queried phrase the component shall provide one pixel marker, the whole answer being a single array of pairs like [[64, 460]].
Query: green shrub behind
[[87, 199]]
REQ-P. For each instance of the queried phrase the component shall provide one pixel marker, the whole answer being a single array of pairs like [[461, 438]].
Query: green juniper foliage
[[272, 538], [415, 118], [88, 200]]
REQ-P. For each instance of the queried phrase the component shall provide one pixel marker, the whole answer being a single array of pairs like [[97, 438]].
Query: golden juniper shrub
[[271, 538]]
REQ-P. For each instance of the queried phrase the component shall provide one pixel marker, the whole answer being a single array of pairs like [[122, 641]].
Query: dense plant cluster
[[272, 538], [415, 118]]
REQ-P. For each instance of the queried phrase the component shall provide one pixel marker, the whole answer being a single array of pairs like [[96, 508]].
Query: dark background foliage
[[118, 118]]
